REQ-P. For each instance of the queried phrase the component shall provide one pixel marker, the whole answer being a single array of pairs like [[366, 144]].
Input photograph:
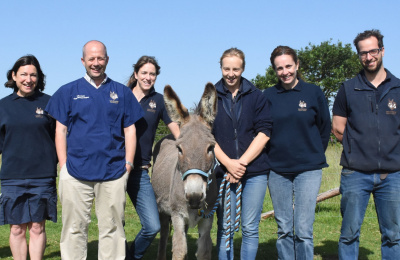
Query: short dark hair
[[369, 33], [23, 61], [140, 63]]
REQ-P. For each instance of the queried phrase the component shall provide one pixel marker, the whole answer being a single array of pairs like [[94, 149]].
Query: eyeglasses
[[373, 52]]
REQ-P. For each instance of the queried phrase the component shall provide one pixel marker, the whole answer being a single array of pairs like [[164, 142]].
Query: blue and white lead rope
[[225, 185], [229, 229]]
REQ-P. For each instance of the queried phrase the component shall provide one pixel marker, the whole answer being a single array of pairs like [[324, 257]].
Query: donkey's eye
[[210, 149], [179, 149]]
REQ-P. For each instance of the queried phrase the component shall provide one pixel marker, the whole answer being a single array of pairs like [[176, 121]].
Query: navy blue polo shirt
[[146, 127], [27, 138], [301, 129], [95, 118]]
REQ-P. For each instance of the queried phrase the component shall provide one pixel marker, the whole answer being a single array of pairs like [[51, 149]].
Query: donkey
[[180, 190]]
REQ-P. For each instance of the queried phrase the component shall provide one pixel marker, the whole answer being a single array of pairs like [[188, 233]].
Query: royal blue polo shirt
[[146, 127], [95, 118], [27, 138]]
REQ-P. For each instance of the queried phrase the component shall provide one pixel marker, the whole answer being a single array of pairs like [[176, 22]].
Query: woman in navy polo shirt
[[29, 161], [241, 128], [297, 154], [139, 188]]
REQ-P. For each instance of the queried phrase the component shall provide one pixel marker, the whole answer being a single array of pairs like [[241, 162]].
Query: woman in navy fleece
[[297, 154], [241, 128]]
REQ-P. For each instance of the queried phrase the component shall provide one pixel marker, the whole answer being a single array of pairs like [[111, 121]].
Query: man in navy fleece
[[366, 121], [95, 142]]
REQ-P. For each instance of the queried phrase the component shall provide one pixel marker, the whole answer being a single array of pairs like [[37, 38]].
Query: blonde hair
[[233, 52]]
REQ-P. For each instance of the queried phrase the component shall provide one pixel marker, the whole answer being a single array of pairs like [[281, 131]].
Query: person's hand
[[231, 179], [236, 168]]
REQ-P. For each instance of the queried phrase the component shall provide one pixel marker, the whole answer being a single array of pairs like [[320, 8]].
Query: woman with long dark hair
[[139, 188]]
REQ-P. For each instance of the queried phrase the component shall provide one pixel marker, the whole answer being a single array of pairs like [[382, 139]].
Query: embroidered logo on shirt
[[113, 96], [302, 106], [392, 106], [80, 97], [152, 105], [39, 112]]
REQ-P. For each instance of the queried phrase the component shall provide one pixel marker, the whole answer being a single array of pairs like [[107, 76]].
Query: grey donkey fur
[[178, 201]]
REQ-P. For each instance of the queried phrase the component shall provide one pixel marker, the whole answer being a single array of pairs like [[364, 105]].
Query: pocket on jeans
[[346, 172]]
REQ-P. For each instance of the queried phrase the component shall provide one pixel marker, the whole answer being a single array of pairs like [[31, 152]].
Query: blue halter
[[200, 172], [196, 171]]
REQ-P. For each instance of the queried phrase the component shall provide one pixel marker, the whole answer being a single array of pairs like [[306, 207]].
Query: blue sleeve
[[323, 119], [132, 110], [340, 104], [263, 119], [59, 105]]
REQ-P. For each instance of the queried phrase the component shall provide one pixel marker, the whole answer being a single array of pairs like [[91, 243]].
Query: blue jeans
[[253, 193], [142, 196], [356, 188], [294, 197]]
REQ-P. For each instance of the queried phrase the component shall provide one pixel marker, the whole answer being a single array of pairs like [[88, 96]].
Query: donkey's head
[[195, 144]]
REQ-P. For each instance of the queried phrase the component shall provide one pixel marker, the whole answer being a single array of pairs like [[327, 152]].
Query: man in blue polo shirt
[[95, 142], [365, 120]]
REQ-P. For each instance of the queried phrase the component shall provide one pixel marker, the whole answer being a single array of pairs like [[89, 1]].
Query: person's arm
[[254, 149], [130, 145], [323, 119], [61, 143], [174, 128], [338, 126], [234, 167]]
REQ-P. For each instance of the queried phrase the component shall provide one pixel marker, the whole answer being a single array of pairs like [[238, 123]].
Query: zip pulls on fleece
[[232, 110]]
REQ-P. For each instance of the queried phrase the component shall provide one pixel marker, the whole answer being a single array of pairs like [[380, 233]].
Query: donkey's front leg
[[164, 234], [204, 243], [179, 244]]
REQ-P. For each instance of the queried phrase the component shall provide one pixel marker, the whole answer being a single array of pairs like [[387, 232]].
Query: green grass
[[326, 228]]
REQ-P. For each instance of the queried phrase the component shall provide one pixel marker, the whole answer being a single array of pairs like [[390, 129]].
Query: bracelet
[[130, 164]]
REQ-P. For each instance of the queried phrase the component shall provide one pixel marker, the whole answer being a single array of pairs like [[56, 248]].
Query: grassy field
[[326, 228]]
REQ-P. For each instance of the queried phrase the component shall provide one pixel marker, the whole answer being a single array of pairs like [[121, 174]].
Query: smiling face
[[146, 77], [95, 60], [371, 64], [232, 69], [286, 70], [26, 80]]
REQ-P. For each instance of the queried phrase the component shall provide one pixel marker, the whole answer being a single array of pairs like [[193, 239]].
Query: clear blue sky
[[187, 37]]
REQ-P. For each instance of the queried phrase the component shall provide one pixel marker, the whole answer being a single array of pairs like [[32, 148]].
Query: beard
[[374, 70]]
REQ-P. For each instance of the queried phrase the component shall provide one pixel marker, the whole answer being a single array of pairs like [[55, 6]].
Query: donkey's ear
[[207, 108], [176, 111]]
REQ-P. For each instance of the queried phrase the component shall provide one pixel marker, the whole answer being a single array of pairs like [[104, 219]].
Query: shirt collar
[[369, 84], [91, 81], [298, 87], [15, 96]]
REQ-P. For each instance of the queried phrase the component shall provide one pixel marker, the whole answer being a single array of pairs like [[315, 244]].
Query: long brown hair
[[136, 67]]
